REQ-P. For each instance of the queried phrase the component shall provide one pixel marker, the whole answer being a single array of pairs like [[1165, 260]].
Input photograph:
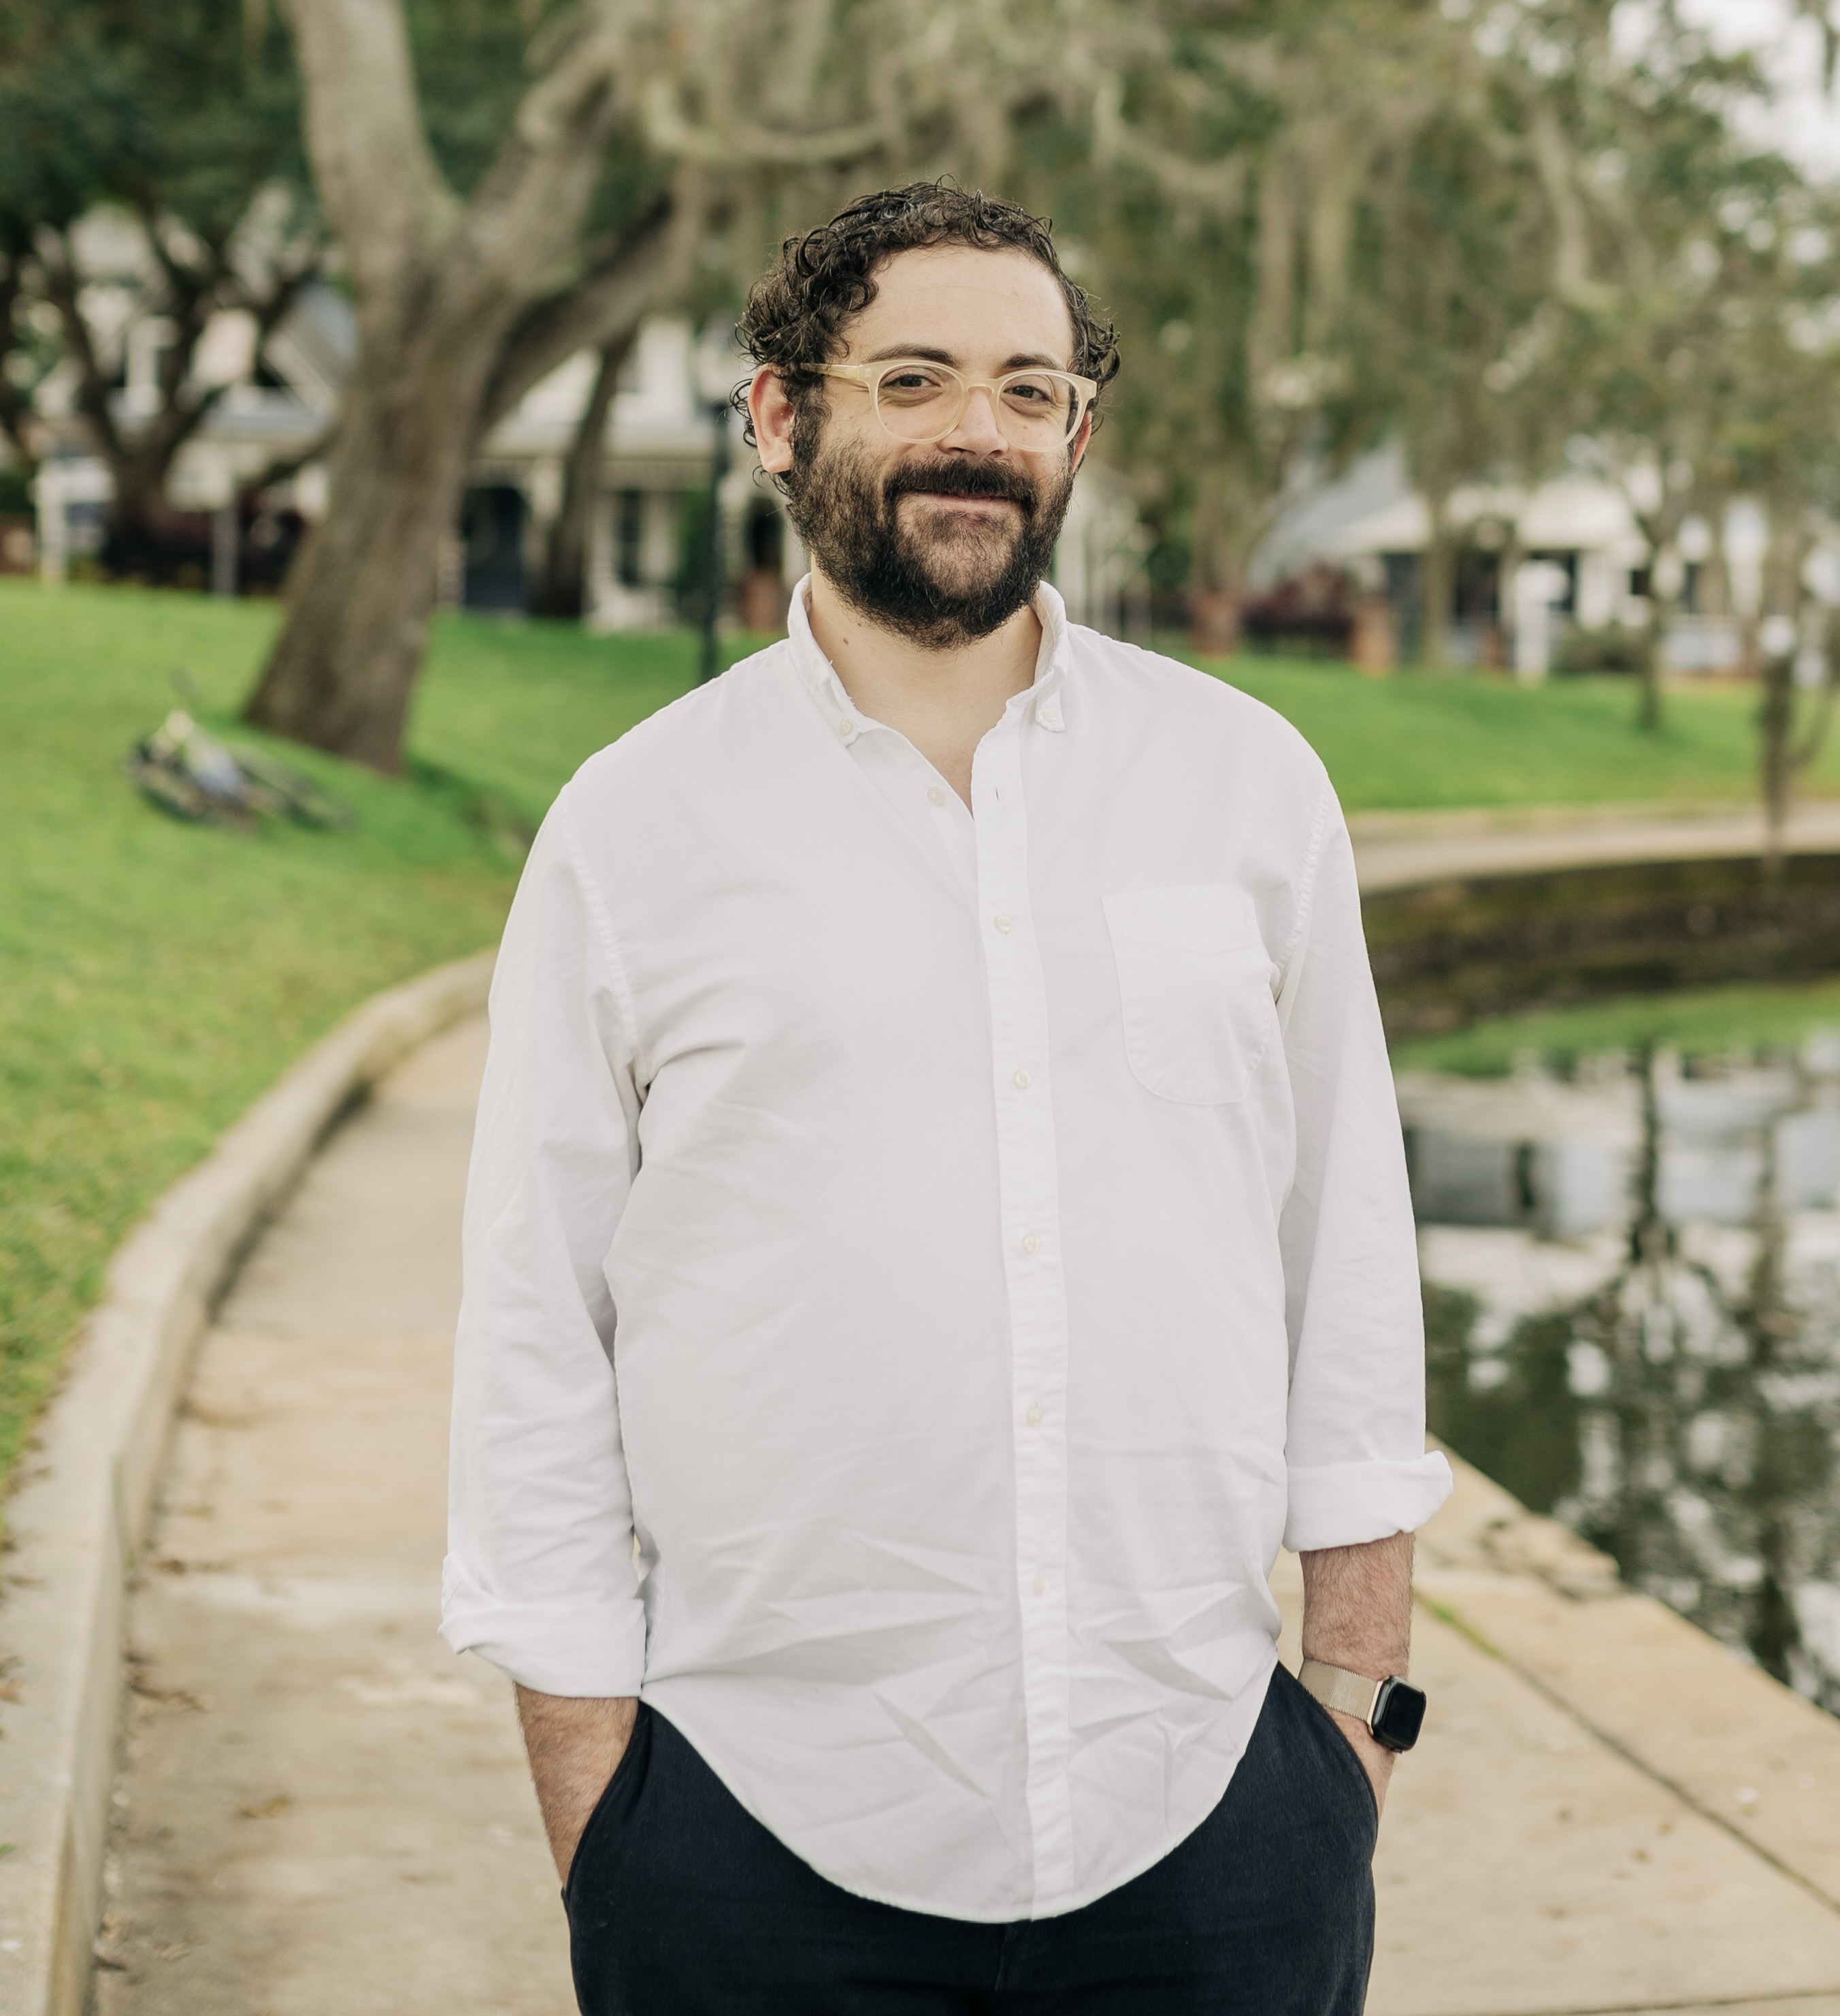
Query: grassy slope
[[155, 978], [1412, 741]]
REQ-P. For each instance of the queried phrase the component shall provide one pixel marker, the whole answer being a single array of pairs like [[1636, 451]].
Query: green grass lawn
[[155, 978], [1414, 741]]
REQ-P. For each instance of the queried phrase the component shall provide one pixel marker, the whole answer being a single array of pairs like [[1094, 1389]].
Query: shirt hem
[[1058, 1908]]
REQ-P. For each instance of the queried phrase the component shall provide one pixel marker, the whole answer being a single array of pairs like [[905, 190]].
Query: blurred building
[[1574, 542]]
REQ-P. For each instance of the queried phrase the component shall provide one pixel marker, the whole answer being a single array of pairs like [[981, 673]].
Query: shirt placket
[[1030, 1207]]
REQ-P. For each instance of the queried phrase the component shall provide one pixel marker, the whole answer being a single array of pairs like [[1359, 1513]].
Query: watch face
[[1399, 1715]]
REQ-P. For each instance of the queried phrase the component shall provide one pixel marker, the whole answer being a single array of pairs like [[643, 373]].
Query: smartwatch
[[1394, 1709]]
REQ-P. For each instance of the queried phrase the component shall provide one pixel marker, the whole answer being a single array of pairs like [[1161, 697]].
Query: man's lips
[[956, 500]]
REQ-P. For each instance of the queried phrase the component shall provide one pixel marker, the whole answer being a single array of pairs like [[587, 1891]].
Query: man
[[937, 1221]]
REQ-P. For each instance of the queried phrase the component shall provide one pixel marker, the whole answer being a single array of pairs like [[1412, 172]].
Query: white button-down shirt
[[920, 1261]]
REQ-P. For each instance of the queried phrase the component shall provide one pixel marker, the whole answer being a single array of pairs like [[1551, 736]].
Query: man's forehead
[[961, 297]]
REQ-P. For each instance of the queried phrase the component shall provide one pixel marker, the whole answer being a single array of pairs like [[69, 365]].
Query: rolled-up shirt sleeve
[[539, 1576], [1357, 1466]]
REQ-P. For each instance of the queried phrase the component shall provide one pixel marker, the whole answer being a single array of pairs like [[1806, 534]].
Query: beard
[[926, 574]]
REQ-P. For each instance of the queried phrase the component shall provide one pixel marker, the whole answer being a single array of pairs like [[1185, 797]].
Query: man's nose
[[977, 432]]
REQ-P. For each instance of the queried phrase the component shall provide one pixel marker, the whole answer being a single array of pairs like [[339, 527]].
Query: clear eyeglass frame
[[1020, 429]]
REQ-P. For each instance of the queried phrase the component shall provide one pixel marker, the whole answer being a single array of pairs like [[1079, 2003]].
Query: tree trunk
[[361, 590], [1437, 589], [137, 532], [564, 589], [1780, 600], [1661, 615], [1216, 572], [1775, 719], [440, 285], [1507, 564]]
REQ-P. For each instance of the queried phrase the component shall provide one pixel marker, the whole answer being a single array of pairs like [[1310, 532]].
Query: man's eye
[[911, 381], [1031, 391]]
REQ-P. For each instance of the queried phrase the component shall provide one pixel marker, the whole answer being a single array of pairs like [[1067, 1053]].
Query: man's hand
[[1357, 1614], [574, 1748], [1376, 1759]]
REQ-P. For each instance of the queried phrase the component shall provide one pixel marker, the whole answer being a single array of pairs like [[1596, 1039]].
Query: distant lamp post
[[715, 371]]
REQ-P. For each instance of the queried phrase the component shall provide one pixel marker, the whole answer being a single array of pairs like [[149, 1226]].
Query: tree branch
[[523, 216], [15, 405], [641, 265], [278, 468], [376, 175], [672, 132], [62, 289]]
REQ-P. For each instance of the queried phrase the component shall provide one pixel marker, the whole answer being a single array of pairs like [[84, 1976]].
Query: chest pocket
[[1195, 982]]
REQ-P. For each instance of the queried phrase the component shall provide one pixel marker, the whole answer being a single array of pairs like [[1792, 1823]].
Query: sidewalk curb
[[87, 1484]]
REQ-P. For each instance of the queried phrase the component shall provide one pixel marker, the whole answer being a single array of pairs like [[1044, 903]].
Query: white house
[[1581, 559]]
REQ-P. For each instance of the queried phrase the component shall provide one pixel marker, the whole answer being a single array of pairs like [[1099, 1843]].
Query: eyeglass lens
[[921, 401]]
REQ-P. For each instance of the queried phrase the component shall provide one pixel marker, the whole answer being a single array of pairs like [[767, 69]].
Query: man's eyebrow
[[931, 353], [1030, 360]]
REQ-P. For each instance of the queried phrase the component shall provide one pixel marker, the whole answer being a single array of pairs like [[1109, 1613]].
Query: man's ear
[[771, 411], [1076, 454]]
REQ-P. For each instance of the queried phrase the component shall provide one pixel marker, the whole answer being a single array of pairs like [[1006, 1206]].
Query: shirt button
[[1034, 1416], [1041, 1585], [845, 730], [1030, 1243], [1052, 716], [934, 795], [1001, 922], [1020, 1081]]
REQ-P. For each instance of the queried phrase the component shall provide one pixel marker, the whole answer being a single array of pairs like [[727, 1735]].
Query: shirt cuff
[[586, 1651], [1347, 1504]]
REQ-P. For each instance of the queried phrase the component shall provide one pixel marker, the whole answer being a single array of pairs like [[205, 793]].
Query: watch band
[[1335, 1686]]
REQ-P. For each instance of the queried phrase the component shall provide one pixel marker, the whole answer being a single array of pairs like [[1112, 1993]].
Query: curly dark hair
[[795, 313]]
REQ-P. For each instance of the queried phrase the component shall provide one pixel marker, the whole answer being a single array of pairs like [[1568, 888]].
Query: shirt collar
[[1043, 696]]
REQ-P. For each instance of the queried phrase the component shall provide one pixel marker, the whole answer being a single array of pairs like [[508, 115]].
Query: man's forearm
[[574, 1748], [1357, 1614]]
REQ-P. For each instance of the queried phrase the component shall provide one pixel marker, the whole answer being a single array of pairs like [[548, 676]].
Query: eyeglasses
[[919, 401]]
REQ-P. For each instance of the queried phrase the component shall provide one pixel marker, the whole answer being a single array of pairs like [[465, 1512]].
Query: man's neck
[[943, 702]]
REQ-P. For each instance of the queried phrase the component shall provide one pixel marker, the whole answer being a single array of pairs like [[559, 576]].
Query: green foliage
[[186, 108]]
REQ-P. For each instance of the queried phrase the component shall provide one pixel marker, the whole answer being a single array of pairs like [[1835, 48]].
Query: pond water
[[1632, 1300]]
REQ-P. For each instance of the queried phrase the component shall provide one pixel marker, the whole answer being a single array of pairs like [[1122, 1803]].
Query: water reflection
[[1634, 1312]]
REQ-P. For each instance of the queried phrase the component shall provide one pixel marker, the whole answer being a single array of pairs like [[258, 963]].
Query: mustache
[[953, 475]]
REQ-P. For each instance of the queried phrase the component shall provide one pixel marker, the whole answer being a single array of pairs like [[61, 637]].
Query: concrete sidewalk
[[321, 1810]]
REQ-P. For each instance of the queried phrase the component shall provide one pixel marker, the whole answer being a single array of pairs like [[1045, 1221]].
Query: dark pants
[[682, 1904]]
